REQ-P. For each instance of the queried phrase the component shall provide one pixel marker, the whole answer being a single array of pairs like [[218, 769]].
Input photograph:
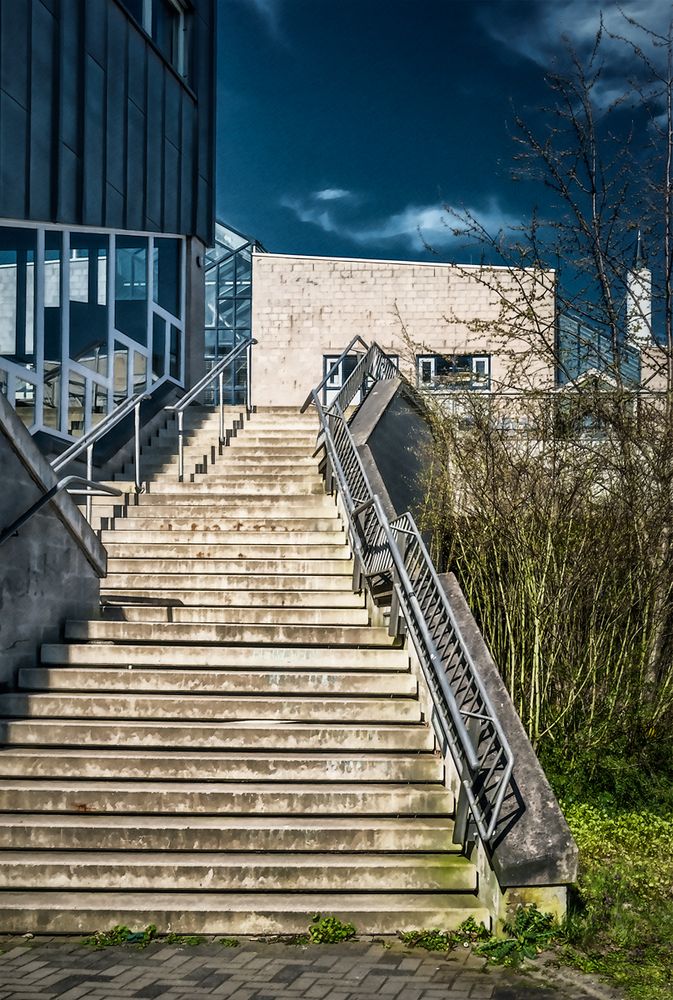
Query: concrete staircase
[[232, 747]]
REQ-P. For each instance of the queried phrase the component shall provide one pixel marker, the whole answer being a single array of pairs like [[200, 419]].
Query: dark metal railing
[[391, 559], [91, 489]]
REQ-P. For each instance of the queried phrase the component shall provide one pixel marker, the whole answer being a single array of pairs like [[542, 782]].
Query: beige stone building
[[487, 329]]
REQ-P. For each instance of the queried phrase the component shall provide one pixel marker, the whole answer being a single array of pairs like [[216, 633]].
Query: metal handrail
[[93, 489], [357, 339], [87, 442], [395, 554], [216, 372]]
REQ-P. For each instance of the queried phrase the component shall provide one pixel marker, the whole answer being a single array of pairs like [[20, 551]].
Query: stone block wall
[[306, 307]]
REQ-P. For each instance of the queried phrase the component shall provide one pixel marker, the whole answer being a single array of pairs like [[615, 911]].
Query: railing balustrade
[[392, 555]]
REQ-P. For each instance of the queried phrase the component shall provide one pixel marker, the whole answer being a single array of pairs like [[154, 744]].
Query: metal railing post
[[181, 453], [220, 389], [248, 380], [136, 445], [89, 476]]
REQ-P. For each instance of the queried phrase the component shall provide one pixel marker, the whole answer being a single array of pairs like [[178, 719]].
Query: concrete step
[[245, 682], [260, 475], [247, 657], [247, 507], [200, 633], [232, 616], [198, 766], [240, 736], [151, 501], [243, 516], [233, 598], [229, 581], [37, 831], [275, 484], [278, 535], [210, 708], [223, 872], [60, 912], [239, 564], [269, 798], [140, 552]]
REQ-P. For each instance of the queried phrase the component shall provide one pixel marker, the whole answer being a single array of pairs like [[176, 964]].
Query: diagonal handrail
[[395, 552], [92, 489], [216, 372], [357, 339]]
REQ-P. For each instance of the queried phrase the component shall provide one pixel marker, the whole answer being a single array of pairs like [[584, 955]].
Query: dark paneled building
[[107, 179]]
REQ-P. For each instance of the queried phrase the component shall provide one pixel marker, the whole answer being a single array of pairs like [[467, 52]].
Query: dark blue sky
[[343, 125]]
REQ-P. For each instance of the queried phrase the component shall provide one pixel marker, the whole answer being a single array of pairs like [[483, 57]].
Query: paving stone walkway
[[68, 970]]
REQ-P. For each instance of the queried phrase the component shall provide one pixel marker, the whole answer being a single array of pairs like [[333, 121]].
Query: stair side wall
[[51, 570]]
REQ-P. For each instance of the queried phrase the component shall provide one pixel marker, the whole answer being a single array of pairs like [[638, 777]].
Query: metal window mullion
[[64, 291], [149, 310], [38, 326]]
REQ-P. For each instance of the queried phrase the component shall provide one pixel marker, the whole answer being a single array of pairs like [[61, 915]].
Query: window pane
[[51, 407], [120, 374], [158, 348], [17, 294], [76, 399], [24, 401], [243, 314], [99, 398], [131, 287], [166, 29], [52, 298], [88, 314], [135, 9], [139, 372], [174, 360], [166, 271]]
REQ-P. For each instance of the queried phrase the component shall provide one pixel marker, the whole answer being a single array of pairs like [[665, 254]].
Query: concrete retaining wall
[[51, 570]]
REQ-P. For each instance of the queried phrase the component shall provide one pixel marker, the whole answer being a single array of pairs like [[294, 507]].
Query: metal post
[[136, 418], [89, 475], [181, 454], [220, 389], [248, 381]]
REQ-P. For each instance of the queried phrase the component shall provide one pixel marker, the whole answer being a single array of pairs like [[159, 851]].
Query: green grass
[[620, 923]]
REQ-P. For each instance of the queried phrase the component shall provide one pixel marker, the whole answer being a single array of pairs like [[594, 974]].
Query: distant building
[[443, 322], [106, 202]]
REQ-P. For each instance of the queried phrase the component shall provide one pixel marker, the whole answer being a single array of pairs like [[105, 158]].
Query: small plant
[[187, 940], [468, 933], [529, 933], [120, 935], [329, 930], [228, 942]]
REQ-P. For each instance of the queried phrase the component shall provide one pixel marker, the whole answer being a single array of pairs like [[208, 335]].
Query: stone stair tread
[[231, 734], [164, 681], [232, 913], [139, 654], [358, 636]]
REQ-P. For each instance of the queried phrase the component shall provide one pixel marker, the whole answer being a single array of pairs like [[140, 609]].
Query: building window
[[86, 319], [338, 377], [450, 373], [167, 24]]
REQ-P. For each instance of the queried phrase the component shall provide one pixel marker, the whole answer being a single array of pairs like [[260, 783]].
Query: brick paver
[[58, 969]]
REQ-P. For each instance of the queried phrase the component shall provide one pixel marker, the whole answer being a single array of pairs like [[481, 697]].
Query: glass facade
[[228, 274], [86, 320], [584, 350]]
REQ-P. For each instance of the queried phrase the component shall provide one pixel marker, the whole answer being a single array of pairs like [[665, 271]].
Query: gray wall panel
[[83, 70], [13, 159], [155, 131], [94, 142], [40, 199]]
